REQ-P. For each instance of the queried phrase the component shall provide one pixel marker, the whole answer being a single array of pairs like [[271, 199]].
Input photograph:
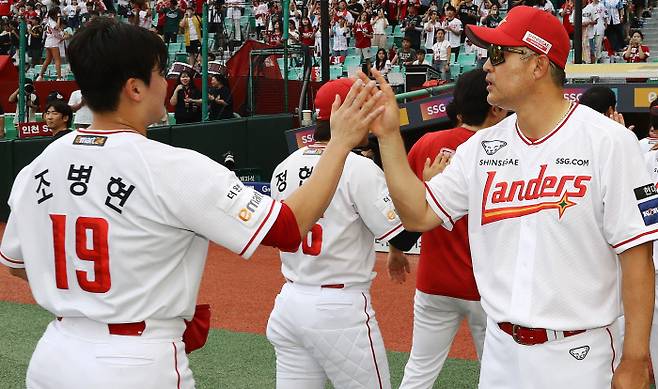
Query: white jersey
[[548, 217], [647, 143], [340, 247], [651, 159], [112, 226]]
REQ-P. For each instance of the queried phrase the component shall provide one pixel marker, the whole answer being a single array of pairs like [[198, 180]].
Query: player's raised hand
[[619, 118], [431, 169], [389, 121], [350, 119], [397, 265]]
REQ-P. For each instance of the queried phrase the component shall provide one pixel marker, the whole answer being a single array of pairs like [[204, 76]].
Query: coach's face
[[510, 82]]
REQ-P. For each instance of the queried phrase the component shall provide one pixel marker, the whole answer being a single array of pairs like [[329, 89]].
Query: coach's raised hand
[[389, 121], [351, 119]]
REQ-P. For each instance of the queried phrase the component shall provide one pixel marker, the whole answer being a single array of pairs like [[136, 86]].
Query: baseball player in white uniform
[[561, 216], [111, 229], [323, 325]]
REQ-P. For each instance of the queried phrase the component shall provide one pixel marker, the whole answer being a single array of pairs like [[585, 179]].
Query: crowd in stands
[[358, 27], [386, 34]]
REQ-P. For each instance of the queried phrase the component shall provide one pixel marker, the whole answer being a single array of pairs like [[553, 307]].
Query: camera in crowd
[[29, 88]]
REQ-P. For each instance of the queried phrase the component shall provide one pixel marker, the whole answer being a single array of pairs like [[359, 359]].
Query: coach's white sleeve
[[630, 199], [370, 195], [203, 196], [447, 193]]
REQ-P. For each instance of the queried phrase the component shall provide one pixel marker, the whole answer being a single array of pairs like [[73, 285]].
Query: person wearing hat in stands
[[323, 325], [561, 217]]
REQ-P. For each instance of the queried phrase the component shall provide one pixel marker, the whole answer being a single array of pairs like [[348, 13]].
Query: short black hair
[[61, 107], [653, 113], [451, 8], [638, 31], [421, 51], [599, 98], [470, 97], [322, 131], [106, 53]]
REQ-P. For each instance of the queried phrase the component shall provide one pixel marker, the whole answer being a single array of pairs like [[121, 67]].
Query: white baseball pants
[[78, 353], [324, 333], [583, 361], [436, 321]]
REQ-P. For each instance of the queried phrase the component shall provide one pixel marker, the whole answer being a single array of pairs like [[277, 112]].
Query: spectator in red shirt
[[363, 35], [446, 292], [565, 12], [5, 7], [274, 36], [636, 51], [306, 32]]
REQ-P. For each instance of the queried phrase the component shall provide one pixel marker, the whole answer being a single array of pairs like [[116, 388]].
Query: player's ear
[[134, 89], [542, 67]]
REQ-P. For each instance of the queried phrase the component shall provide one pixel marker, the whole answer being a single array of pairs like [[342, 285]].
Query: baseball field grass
[[231, 360]]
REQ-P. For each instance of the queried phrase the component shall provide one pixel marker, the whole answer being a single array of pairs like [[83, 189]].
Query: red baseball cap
[[533, 28], [327, 93]]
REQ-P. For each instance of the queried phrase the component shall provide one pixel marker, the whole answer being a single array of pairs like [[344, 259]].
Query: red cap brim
[[484, 37]]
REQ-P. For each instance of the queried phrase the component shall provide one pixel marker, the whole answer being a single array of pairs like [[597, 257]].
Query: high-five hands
[[351, 119]]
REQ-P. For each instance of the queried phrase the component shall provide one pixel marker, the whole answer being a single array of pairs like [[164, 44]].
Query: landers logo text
[[557, 190]]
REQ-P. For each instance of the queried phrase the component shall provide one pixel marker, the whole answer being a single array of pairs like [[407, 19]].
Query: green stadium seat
[[335, 71], [389, 30], [466, 59], [468, 67], [247, 22], [455, 70], [180, 38], [352, 60]]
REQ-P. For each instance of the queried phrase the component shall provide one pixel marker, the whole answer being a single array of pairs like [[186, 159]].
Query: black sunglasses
[[496, 53]]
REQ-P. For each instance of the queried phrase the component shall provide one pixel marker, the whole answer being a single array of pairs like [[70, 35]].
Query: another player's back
[[340, 248], [107, 206]]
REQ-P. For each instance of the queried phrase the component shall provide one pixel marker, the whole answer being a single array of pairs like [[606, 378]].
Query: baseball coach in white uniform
[[561, 215]]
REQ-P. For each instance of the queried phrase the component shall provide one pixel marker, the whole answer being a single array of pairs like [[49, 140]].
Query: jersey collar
[[533, 142], [106, 132]]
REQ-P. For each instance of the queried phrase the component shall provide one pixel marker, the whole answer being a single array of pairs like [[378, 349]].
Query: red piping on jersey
[[106, 132], [529, 142], [176, 365], [16, 261], [372, 348], [258, 230], [437, 203], [633, 238], [390, 232], [612, 346]]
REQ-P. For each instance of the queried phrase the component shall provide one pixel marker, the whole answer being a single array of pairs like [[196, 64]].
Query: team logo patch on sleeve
[[646, 191], [90, 140], [385, 205], [649, 211]]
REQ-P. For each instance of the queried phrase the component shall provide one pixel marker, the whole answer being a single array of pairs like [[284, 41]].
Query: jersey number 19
[[98, 254]]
